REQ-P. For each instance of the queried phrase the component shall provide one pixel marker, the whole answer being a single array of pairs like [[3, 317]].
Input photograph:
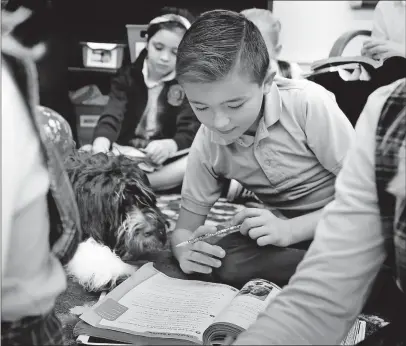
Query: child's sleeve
[[109, 125], [327, 292], [202, 186], [329, 133]]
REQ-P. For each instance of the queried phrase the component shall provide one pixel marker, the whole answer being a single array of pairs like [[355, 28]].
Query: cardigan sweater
[[127, 102]]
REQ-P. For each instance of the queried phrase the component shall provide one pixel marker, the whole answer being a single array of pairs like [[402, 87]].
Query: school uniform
[[290, 164], [140, 110]]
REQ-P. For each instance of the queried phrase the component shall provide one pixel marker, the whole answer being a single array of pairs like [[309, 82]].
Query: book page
[[253, 298], [167, 307]]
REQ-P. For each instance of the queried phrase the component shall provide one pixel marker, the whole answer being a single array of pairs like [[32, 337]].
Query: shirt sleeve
[[109, 124], [326, 294], [329, 133], [379, 30], [201, 186]]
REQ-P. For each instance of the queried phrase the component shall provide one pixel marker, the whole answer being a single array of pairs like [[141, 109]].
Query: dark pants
[[245, 260], [35, 330]]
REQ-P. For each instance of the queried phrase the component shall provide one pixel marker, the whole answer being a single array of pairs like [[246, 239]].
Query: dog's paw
[[97, 268]]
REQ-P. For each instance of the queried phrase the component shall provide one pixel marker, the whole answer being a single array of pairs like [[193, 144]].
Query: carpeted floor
[[75, 300]]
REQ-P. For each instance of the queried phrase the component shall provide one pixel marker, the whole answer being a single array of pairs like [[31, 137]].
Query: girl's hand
[[160, 150], [264, 227], [101, 145]]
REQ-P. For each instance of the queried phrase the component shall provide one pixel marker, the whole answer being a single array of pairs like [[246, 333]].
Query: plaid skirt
[[35, 330]]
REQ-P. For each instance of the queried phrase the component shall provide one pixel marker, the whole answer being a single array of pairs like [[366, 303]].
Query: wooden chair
[[342, 42]]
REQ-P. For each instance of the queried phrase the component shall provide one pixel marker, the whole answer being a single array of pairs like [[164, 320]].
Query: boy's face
[[231, 106]]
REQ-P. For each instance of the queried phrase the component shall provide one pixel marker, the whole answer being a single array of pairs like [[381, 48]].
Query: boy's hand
[[264, 227], [160, 150], [382, 49], [201, 257]]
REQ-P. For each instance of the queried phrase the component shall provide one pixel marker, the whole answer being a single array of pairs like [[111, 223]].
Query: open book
[[151, 304]]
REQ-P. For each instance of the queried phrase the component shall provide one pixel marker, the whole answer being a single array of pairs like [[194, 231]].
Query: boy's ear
[[268, 81]]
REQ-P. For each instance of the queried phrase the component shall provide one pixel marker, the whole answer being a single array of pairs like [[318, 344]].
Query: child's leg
[[246, 260], [169, 176]]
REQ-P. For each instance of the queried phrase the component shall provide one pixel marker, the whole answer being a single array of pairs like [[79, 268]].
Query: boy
[[284, 141], [270, 28]]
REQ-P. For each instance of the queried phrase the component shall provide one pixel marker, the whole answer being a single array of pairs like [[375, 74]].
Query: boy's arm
[[201, 188]]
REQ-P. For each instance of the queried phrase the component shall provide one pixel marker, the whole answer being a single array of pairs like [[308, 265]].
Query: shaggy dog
[[119, 218]]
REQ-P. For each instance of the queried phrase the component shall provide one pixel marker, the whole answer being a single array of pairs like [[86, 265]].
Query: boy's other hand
[[160, 150], [201, 257], [264, 227], [382, 49]]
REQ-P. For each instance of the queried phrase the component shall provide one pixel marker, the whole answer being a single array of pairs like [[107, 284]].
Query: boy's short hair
[[263, 18], [216, 43]]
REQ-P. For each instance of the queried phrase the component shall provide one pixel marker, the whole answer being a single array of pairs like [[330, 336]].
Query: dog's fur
[[119, 218]]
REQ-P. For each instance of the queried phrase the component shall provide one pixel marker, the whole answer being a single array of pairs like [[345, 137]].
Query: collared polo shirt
[[291, 162]]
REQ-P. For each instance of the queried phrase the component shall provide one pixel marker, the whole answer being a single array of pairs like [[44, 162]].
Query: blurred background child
[[388, 32], [270, 28]]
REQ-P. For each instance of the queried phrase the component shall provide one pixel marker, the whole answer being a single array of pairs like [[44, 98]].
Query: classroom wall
[[309, 28]]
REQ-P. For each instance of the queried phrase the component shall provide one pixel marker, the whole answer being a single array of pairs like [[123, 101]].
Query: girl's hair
[[170, 25], [218, 42]]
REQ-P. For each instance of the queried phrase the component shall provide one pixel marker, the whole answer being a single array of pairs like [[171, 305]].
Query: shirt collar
[[272, 112], [152, 83]]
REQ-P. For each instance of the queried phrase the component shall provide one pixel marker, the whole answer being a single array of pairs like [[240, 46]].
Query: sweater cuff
[[104, 132], [181, 142]]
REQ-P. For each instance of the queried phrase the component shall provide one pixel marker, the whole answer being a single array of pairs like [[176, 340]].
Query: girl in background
[[147, 108]]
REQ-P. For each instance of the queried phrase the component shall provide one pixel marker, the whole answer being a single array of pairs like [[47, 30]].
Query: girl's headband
[[171, 18]]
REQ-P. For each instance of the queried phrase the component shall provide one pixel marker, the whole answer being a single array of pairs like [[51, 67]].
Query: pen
[[223, 231]]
